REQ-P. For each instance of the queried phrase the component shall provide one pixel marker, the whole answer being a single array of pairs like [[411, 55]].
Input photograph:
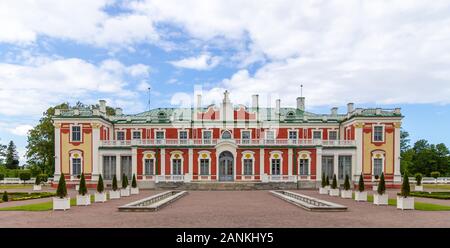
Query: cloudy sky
[[374, 53]]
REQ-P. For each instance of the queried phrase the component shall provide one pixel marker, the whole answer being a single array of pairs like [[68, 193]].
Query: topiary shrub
[[38, 180], [61, 192], [346, 183], [83, 189], [2, 176], [435, 174], [381, 185], [25, 176], [114, 183], [418, 177], [43, 177], [5, 196], [361, 183], [324, 181], [133, 182], [334, 183], [405, 186], [327, 181], [124, 181], [100, 185]]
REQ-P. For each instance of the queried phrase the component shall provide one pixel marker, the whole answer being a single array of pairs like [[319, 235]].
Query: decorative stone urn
[[114, 194], [61, 203], [380, 199], [405, 203], [84, 200], [360, 196], [348, 194], [100, 197]]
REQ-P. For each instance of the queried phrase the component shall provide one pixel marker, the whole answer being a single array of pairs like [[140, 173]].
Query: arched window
[[226, 135]]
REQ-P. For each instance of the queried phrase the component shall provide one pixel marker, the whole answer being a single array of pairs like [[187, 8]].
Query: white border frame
[[172, 157], [252, 157], [81, 132]]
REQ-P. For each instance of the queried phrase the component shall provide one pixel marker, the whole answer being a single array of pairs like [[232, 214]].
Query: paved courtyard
[[225, 209]]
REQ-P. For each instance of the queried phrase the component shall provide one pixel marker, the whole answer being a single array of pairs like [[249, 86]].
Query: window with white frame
[[317, 135], [377, 166], [109, 167], [204, 166], [160, 135], [328, 166], [207, 136], [183, 136], [276, 166], [292, 135], [76, 166], [120, 135], [176, 166], [136, 135], [304, 167], [245, 136], [149, 166], [344, 166], [248, 166], [378, 133], [226, 134], [76, 133], [332, 135]]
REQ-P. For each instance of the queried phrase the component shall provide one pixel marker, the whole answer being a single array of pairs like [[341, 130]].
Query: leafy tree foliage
[[5, 196], [100, 185], [133, 182], [324, 181]]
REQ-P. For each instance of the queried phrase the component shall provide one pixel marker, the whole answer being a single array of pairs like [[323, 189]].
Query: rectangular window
[[120, 135], [149, 165], [204, 167], [176, 166], [377, 166], [328, 166], [76, 166], [378, 133], [332, 135], [246, 136], [207, 136], [304, 167], [137, 135], [248, 166], [344, 167], [183, 137], [276, 167], [317, 135], [76, 133], [109, 167], [160, 136], [292, 135], [125, 165]]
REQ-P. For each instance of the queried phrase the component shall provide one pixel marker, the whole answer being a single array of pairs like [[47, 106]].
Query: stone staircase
[[226, 186]]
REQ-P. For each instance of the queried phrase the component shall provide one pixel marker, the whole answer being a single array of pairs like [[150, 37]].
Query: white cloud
[[21, 130], [201, 62]]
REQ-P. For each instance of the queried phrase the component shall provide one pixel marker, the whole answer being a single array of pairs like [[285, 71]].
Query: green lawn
[[15, 186], [44, 206], [435, 195], [422, 206], [21, 196], [436, 186]]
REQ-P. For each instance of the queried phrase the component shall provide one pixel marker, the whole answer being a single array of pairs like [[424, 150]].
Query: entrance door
[[226, 162]]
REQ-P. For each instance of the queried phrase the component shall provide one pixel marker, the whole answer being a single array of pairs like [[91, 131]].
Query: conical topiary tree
[[114, 183], [418, 179], [327, 181], [346, 183], [100, 185], [324, 181], [361, 183], [61, 192], [5, 196], [133, 182], [83, 189], [405, 186], [334, 183], [38, 180], [381, 185], [124, 181]]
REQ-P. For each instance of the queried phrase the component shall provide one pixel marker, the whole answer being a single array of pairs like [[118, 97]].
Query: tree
[[2, 154], [114, 183], [133, 182], [38, 180], [361, 183], [61, 192], [5, 196], [405, 186], [404, 140], [82, 189], [12, 157], [324, 181], [327, 181], [124, 181], [435, 174], [100, 185], [418, 177], [334, 183], [381, 189], [25, 176], [346, 183]]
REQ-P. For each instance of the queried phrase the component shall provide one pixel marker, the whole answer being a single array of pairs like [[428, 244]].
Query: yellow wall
[[387, 147], [66, 147]]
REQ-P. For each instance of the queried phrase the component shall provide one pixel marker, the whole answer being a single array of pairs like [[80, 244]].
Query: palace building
[[228, 143]]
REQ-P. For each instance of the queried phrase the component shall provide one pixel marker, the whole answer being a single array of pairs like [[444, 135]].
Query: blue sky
[[373, 53]]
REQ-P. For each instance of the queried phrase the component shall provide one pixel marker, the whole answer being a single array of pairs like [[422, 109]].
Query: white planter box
[[374, 187], [124, 192], [83, 200], [323, 191], [36, 187], [114, 194], [134, 191], [405, 202], [347, 194], [61, 203], [360, 196], [380, 199], [100, 197], [418, 188], [334, 192], [328, 187]]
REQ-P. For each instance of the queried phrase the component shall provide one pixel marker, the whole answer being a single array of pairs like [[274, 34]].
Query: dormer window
[[162, 115], [226, 135], [75, 133]]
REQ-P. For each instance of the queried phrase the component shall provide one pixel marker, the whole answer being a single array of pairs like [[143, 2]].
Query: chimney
[[278, 103], [199, 101], [397, 111], [119, 111], [350, 107], [255, 103], [102, 104], [301, 103], [334, 111]]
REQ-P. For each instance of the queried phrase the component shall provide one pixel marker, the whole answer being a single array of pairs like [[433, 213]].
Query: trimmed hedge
[[418, 177], [25, 175], [114, 183], [133, 182], [324, 181], [434, 195], [83, 189], [100, 185], [405, 191]]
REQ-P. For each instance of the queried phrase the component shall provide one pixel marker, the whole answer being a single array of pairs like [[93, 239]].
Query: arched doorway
[[226, 166]]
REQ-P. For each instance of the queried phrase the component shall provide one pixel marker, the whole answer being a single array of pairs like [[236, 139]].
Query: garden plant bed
[[21, 196], [422, 206], [434, 195]]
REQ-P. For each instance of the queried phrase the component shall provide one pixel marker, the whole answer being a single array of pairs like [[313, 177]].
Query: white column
[[134, 161], [163, 161], [397, 173], [319, 164], [336, 165], [359, 151], [191, 164], [290, 152], [95, 146], [118, 165], [261, 162], [57, 152]]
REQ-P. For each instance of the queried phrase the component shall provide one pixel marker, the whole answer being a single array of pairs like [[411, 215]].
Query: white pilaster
[[319, 164], [261, 162], [191, 161], [95, 146], [336, 165], [359, 151], [134, 161], [118, 165], [397, 173], [163, 161], [57, 152], [290, 152]]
